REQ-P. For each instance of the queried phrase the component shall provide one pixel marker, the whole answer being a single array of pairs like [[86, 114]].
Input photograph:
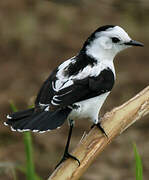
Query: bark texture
[[92, 144]]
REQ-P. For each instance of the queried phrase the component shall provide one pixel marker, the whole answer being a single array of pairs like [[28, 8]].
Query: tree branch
[[114, 123]]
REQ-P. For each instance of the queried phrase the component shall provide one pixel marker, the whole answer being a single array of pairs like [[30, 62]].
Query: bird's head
[[107, 41]]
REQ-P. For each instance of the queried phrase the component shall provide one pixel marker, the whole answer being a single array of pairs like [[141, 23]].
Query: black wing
[[80, 90], [85, 89], [46, 92]]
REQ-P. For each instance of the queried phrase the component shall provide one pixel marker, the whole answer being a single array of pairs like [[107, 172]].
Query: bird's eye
[[115, 40]]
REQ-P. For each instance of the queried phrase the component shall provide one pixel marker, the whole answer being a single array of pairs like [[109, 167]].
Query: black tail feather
[[37, 121], [55, 120], [21, 114]]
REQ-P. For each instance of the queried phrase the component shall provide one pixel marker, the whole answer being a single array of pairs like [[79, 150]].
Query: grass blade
[[14, 173], [29, 156], [139, 168], [13, 107], [30, 171], [23, 170]]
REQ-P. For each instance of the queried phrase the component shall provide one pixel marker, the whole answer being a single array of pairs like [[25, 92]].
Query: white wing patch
[[64, 81], [83, 74], [56, 101], [65, 63], [58, 84], [43, 105], [9, 117], [53, 103]]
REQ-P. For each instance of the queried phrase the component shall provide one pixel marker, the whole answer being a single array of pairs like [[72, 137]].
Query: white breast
[[89, 108]]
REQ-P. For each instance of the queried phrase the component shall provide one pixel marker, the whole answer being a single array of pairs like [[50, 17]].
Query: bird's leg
[[66, 153], [98, 125]]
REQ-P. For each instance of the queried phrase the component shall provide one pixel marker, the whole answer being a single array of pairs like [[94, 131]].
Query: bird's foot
[[66, 153], [98, 125], [65, 157]]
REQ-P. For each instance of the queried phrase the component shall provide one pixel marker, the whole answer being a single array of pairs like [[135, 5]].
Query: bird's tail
[[30, 120]]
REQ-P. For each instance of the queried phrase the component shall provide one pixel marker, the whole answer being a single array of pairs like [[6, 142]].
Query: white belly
[[89, 108]]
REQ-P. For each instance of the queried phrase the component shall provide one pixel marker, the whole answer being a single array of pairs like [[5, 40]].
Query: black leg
[[66, 153], [100, 127]]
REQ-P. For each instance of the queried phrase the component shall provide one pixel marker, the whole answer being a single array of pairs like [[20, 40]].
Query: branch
[[114, 123]]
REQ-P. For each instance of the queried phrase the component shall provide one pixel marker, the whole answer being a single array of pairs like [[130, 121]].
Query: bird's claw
[[65, 157], [98, 125]]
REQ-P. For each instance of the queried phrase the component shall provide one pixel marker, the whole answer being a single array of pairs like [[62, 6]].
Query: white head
[[107, 41]]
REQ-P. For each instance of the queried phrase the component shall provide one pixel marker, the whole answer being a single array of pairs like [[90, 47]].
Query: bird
[[77, 88]]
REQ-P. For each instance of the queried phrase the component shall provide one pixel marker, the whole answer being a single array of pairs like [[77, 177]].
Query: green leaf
[[139, 168]]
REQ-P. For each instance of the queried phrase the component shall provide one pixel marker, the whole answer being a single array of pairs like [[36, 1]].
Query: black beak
[[134, 43]]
